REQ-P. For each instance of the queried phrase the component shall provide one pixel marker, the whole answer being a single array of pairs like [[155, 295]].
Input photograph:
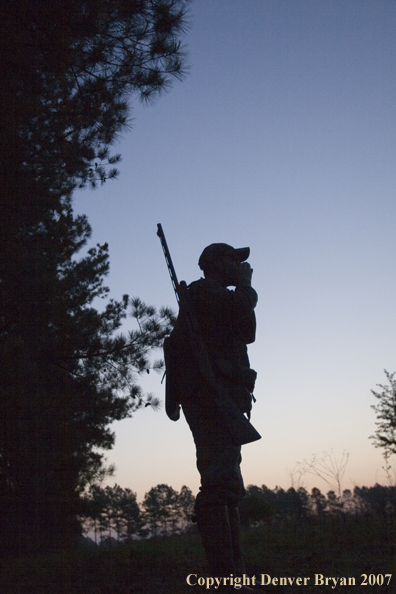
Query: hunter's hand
[[245, 274]]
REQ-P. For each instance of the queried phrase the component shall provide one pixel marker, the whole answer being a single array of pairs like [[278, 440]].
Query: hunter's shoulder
[[206, 285]]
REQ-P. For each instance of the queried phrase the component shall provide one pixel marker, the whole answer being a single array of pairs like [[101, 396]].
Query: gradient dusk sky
[[282, 137]]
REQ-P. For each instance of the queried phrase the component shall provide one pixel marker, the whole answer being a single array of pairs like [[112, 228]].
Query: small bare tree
[[328, 468], [296, 475]]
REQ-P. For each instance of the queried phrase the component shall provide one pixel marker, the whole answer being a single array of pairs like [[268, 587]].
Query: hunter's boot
[[239, 563], [235, 527], [214, 528]]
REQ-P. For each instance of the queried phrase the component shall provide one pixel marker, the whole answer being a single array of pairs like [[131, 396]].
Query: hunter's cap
[[216, 250]]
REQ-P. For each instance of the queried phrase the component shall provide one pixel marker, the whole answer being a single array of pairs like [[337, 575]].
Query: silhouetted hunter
[[210, 377]]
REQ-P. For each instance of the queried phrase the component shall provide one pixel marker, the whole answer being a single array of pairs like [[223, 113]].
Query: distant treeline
[[112, 514]]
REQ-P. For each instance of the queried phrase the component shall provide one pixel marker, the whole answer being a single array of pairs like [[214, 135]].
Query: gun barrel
[[168, 259]]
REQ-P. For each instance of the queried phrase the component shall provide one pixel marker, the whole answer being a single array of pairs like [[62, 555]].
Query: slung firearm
[[241, 429]]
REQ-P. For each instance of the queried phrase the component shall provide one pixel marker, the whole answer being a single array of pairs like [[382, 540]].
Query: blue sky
[[282, 137]]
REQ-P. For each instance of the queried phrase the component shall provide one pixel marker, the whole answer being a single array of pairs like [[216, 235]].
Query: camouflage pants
[[218, 460]]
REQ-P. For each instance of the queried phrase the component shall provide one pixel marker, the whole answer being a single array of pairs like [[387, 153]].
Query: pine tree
[[66, 371], [161, 510]]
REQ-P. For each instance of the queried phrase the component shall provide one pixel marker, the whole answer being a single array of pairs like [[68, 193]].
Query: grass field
[[345, 546]]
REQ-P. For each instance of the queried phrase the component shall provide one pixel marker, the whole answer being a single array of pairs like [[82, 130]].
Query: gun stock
[[241, 429]]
